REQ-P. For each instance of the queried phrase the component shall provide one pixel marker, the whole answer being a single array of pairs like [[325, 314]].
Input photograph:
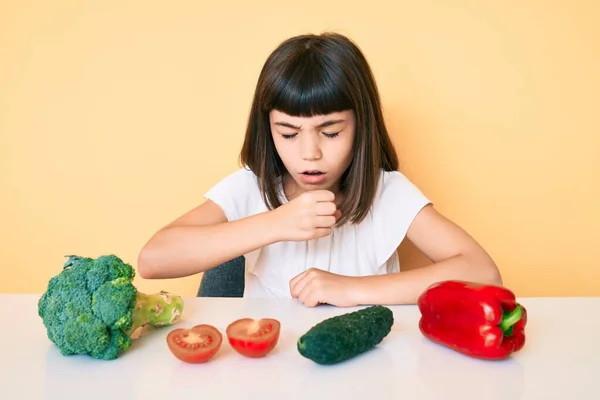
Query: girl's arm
[[203, 238], [200, 240], [454, 255]]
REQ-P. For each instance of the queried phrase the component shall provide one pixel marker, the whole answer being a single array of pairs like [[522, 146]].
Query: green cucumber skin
[[345, 336]]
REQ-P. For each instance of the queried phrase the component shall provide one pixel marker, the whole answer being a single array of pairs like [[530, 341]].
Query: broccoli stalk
[[91, 307], [158, 309]]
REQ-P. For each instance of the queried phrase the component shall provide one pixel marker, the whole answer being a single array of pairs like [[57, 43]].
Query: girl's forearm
[[406, 287], [179, 251]]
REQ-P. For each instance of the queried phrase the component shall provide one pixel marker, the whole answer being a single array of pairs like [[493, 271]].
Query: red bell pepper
[[480, 321]]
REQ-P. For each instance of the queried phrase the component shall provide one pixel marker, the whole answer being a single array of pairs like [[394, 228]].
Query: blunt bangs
[[307, 86]]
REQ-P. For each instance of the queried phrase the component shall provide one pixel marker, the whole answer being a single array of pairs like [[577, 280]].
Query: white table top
[[561, 359]]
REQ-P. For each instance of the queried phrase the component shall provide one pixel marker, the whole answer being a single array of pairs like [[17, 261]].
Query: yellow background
[[116, 117]]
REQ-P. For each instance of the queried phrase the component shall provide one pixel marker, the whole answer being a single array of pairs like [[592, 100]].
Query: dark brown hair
[[315, 75]]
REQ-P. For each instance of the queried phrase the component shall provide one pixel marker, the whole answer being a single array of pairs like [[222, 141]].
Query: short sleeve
[[396, 206], [232, 193]]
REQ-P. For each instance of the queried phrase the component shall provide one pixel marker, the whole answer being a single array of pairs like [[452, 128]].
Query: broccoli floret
[[91, 307]]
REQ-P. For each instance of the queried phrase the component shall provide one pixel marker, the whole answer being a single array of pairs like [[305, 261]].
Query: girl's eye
[[293, 135]]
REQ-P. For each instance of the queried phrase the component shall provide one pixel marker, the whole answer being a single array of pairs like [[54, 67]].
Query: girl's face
[[315, 150]]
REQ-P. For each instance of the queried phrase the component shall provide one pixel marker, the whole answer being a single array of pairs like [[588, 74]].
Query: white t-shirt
[[368, 248]]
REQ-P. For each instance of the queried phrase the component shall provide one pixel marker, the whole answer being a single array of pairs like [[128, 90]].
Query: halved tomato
[[195, 345], [253, 337]]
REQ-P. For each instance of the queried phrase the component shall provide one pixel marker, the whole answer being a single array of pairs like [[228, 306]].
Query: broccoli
[[92, 308]]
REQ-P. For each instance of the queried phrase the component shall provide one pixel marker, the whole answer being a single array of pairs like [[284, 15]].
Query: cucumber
[[345, 336]]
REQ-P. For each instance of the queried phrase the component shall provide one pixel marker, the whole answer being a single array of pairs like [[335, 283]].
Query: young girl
[[319, 209]]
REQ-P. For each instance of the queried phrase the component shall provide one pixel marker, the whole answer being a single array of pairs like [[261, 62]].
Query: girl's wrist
[[270, 226], [360, 290], [376, 289]]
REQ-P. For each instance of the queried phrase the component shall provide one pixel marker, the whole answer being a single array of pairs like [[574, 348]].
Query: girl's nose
[[309, 148]]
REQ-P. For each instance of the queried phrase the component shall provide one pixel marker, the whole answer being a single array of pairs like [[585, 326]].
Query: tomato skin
[[196, 345], [253, 338]]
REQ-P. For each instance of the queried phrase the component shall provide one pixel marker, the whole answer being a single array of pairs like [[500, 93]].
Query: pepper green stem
[[510, 319]]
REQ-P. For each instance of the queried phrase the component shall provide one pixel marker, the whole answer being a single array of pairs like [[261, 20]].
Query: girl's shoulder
[[243, 175], [238, 194], [394, 187], [242, 181], [397, 202]]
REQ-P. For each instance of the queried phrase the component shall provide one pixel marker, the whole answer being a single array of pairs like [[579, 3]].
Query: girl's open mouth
[[312, 176]]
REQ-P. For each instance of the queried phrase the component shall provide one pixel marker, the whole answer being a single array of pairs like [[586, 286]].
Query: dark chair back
[[225, 280]]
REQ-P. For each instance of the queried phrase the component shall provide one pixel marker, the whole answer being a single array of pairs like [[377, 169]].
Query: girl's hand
[[316, 286], [309, 216]]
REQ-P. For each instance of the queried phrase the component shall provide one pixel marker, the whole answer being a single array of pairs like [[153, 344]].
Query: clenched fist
[[314, 286], [309, 216]]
